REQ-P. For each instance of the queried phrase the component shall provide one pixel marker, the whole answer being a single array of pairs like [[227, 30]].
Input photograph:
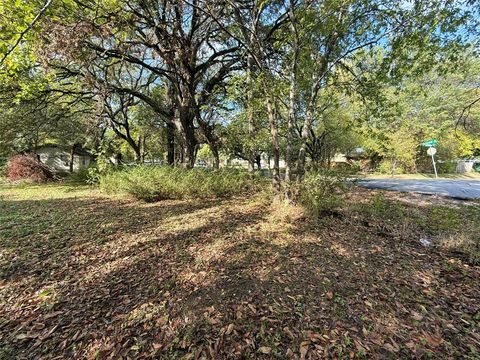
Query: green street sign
[[430, 143]]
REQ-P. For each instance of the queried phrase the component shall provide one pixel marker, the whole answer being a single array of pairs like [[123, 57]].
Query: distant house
[[64, 158], [467, 165]]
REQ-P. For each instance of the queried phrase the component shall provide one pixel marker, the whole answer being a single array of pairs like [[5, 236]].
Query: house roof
[[78, 150]]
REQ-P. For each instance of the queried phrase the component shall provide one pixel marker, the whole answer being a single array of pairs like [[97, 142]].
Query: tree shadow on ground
[[227, 279]]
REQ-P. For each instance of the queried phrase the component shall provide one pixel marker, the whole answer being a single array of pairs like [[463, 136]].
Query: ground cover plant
[[86, 275]]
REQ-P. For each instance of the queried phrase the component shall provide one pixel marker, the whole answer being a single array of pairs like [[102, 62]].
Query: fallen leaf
[[303, 349], [229, 329], [417, 316], [265, 349], [389, 347], [433, 340]]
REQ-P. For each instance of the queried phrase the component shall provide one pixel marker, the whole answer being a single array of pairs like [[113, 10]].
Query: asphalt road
[[459, 189]]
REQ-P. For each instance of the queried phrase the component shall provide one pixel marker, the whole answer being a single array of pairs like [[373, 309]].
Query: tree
[[421, 108]]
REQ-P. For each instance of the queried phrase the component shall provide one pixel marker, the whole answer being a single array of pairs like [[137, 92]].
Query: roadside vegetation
[[159, 183]]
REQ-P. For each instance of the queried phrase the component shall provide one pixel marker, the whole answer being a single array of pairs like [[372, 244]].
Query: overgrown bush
[[3, 168], [323, 191], [27, 167], [446, 167], [389, 167], [153, 183], [81, 175]]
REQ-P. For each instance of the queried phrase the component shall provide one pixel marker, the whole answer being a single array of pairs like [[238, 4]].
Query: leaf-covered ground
[[88, 276]]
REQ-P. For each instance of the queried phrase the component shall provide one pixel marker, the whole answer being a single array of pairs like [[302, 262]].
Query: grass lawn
[[83, 275]]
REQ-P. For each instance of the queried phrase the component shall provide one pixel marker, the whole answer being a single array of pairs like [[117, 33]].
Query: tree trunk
[[180, 154], [72, 157], [291, 113], [251, 165], [251, 126], [141, 149], [258, 160], [137, 151], [216, 156], [185, 125], [275, 148], [190, 149], [212, 140], [307, 124], [138, 157], [303, 146], [170, 130]]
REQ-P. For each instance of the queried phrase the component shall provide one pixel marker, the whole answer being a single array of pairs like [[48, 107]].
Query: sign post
[[430, 144], [432, 151]]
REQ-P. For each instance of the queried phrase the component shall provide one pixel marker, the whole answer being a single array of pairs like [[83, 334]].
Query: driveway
[[459, 189]]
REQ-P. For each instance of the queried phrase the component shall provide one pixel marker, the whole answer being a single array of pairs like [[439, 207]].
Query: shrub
[[81, 175], [388, 167], [3, 168], [153, 183], [324, 191], [26, 167], [446, 167]]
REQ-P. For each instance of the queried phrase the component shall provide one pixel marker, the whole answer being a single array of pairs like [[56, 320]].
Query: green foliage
[[153, 183], [390, 167], [421, 108], [323, 191], [93, 175], [3, 167], [204, 153], [446, 167]]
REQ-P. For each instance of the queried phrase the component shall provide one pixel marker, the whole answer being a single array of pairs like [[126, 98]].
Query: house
[[60, 157], [467, 166]]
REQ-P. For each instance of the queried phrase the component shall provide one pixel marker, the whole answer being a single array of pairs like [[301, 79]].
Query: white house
[[60, 157], [467, 165]]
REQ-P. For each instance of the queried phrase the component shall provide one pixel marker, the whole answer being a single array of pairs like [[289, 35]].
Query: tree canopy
[[294, 80]]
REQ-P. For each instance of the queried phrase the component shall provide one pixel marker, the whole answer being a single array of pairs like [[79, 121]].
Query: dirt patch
[[415, 199]]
